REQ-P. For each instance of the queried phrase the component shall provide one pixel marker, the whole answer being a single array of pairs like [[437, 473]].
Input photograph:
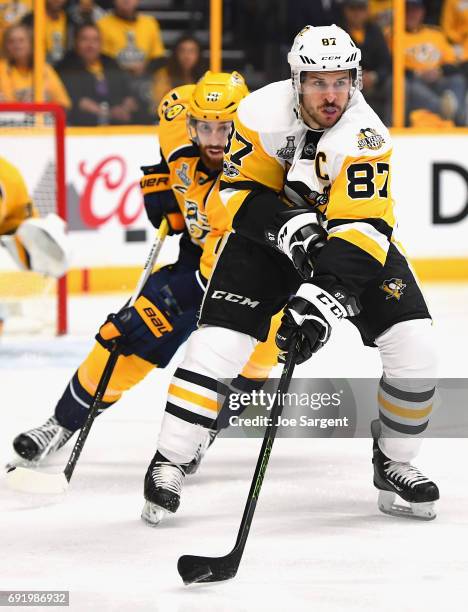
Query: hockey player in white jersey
[[308, 162]]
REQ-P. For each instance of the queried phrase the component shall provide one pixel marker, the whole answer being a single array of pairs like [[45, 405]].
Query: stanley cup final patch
[[368, 138], [182, 173], [287, 152], [393, 288]]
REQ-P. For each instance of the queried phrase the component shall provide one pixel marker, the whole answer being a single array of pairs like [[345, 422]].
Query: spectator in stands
[[433, 78], [184, 66], [381, 12], [16, 73], [134, 40], [57, 29], [313, 12], [99, 89], [454, 21], [12, 13], [85, 11], [376, 60]]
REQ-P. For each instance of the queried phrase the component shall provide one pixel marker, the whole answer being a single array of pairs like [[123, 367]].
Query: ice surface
[[317, 541]]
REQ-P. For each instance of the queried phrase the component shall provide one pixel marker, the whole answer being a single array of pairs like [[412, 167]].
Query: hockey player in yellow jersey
[[33, 243], [307, 182], [184, 188]]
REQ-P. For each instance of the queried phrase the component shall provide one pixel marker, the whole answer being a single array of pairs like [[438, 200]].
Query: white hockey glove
[[309, 318], [298, 235], [40, 245]]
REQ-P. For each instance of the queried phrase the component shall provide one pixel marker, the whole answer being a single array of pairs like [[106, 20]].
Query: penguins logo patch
[[393, 288], [368, 138]]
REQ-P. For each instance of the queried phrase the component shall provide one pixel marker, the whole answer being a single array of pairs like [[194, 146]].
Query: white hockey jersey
[[343, 172]]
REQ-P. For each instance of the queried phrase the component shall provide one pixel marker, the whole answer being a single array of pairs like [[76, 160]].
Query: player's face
[[212, 136], [324, 97]]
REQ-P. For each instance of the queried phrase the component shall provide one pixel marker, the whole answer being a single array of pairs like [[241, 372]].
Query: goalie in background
[[34, 243]]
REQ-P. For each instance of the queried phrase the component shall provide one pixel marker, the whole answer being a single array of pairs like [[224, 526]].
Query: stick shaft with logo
[[34, 481], [194, 568]]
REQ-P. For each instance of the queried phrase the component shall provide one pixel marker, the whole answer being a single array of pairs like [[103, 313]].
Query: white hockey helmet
[[323, 49]]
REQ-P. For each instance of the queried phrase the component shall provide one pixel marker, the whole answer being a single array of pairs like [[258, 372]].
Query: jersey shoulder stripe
[[185, 150]]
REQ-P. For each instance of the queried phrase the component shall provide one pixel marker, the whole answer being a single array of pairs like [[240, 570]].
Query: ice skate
[[193, 466], [33, 446], [396, 478], [163, 485]]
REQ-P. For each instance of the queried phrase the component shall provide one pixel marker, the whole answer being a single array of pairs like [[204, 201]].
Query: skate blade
[[20, 462], [424, 511], [152, 514]]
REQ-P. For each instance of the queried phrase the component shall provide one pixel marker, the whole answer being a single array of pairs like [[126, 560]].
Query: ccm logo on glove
[[335, 308]]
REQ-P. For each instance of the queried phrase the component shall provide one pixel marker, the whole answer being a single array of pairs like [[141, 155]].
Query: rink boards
[[108, 227]]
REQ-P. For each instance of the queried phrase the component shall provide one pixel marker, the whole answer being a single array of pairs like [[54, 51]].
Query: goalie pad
[[40, 245]]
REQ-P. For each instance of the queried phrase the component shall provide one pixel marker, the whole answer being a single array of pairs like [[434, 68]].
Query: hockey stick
[[213, 569], [33, 481]]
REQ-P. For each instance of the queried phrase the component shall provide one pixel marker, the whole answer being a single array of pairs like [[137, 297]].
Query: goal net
[[32, 139]]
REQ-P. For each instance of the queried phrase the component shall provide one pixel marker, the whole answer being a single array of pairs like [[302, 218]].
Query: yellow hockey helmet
[[173, 102], [215, 98]]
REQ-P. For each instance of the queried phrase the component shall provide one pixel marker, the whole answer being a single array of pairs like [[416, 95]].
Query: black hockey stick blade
[[208, 569], [193, 568]]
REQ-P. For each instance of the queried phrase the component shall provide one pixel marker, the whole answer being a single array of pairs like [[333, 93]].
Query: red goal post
[[43, 124]]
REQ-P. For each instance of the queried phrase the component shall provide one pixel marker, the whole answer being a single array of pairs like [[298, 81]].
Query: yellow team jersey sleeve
[[247, 165], [220, 223], [15, 203]]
